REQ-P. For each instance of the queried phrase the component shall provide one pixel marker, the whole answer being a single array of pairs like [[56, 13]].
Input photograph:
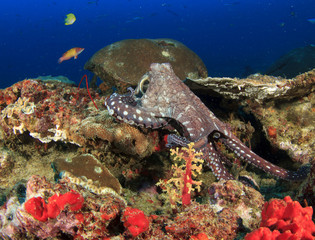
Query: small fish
[[72, 53], [70, 19], [134, 19], [311, 20]]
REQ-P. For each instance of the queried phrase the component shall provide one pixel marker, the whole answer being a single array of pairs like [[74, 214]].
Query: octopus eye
[[216, 135]]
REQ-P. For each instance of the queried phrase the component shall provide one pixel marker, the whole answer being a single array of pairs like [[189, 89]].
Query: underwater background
[[232, 37]]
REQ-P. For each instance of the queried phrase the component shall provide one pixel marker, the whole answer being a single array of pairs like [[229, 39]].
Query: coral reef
[[121, 136], [48, 127], [55, 111], [284, 219], [243, 201], [6, 162], [284, 107], [306, 191], [52, 210], [202, 219], [289, 126], [123, 63], [57, 210]]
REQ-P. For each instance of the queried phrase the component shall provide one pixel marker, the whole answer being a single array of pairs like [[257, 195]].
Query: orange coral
[[288, 220]]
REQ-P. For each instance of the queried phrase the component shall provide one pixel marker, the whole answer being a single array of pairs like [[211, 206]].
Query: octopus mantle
[[169, 102]]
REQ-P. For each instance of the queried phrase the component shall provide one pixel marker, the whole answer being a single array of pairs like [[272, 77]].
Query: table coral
[[258, 88]]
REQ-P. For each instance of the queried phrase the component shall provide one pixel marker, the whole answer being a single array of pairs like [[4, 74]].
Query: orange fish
[[72, 53]]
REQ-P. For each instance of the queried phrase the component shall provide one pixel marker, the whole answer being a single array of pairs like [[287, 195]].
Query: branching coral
[[186, 167]]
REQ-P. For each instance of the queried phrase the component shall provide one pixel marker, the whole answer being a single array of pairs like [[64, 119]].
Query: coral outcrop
[[66, 208], [244, 201], [55, 111], [123, 63], [89, 172]]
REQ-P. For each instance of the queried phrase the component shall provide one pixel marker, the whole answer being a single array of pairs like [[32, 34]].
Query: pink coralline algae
[[284, 219]]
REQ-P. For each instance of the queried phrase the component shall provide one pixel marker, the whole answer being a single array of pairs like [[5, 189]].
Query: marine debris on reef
[[123, 63]]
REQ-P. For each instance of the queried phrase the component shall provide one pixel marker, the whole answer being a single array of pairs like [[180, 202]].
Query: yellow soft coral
[[187, 166]]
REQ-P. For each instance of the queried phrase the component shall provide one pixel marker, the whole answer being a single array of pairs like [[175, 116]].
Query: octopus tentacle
[[125, 108], [245, 153], [174, 140], [213, 159]]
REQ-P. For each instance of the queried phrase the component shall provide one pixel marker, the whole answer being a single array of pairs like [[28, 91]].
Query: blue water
[[230, 36]]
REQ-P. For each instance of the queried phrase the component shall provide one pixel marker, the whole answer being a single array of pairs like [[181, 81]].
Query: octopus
[[168, 102]]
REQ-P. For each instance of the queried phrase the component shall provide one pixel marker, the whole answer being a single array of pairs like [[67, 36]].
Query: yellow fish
[[70, 19], [72, 53]]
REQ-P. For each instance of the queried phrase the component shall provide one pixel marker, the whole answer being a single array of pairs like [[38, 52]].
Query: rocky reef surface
[[71, 171]]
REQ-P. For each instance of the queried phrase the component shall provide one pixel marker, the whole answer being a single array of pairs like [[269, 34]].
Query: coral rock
[[244, 201], [123, 63], [55, 111], [282, 105], [89, 170], [202, 218]]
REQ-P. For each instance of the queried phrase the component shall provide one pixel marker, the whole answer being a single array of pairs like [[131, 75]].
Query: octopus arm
[[245, 153]]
